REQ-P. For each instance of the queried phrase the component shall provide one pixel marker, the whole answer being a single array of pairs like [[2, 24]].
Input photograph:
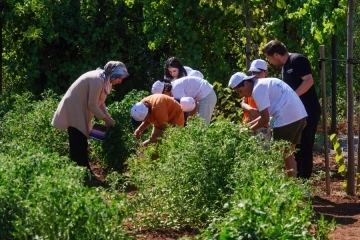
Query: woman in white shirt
[[199, 89]]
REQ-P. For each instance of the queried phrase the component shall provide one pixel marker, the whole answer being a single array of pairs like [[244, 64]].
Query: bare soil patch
[[345, 210]]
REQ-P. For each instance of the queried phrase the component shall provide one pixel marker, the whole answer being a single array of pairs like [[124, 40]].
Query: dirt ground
[[345, 210]]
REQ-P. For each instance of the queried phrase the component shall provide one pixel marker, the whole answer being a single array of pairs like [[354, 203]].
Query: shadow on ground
[[343, 213]]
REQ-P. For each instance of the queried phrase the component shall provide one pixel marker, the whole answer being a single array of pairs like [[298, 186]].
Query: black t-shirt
[[296, 67]]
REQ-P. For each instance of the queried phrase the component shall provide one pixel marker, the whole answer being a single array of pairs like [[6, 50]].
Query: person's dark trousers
[[78, 147], [304, 154]]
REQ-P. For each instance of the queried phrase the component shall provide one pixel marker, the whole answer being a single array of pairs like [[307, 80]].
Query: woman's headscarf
[[113, 70]]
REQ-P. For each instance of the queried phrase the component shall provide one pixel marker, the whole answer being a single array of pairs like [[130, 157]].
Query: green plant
[[43, 196], [188, 182], [119, 142], [29, 123], [228, 105], [266, 205], [338, 157]]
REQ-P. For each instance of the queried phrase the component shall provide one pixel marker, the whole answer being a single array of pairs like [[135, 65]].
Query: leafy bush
[[29, 123], [191, 180], [220, 178], [7, 101], [267, 206], [42, 197], [119, 142], [228, 105]]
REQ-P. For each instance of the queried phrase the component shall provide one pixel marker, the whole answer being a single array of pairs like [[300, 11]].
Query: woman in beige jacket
[[83, 100]]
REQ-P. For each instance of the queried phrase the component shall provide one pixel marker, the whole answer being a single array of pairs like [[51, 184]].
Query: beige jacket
[[83, 100]]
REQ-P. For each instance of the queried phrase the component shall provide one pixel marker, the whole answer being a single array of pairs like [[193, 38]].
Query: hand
[[109, 121], [137, 133], [254, 113], [146, 142]]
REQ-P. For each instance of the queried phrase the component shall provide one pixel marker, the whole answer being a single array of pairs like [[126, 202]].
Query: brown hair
[[274, 46]]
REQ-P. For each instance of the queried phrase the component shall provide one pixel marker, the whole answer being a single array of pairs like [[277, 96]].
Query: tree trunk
[[1, 48]]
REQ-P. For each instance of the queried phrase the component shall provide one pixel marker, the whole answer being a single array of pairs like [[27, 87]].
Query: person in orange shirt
[[258, 68], [159, 110]]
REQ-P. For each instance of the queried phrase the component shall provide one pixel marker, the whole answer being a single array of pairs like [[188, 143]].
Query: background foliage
[[49, 44]]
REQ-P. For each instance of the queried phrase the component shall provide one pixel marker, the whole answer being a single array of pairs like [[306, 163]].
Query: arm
[[308, 81], [254, 113], [104, 110], [158, 131], [107, 119], [194, 111], [144, 125], [261, 120], [95, 89]]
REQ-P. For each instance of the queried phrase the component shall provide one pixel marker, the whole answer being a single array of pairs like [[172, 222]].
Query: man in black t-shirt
[[296, 72]]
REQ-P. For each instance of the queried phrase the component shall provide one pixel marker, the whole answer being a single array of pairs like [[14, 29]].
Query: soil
[[344, 209]]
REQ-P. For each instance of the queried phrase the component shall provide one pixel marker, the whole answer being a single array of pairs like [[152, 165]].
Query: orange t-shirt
[[250, 101], [164, 109]]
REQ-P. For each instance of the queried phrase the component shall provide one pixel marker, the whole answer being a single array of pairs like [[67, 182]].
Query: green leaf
[[333, 137], [338, 158], [341, 169]]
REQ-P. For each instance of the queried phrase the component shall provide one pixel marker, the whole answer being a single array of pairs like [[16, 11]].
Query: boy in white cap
[[274, 98], [159, 110], [258, 68]]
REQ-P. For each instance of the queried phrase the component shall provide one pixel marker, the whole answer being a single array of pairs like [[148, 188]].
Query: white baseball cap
[[196, 73], [139, 111], [258, 65], [157, 87], [237, 78], [187, 104], [188, 69]]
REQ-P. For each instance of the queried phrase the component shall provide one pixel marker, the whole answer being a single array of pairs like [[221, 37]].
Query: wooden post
[[333, 84], [323, 97], [350, 187], [248, 34], [1, 47], [256, 51], [358, 159]]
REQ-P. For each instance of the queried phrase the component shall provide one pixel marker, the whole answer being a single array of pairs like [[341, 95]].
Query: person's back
[[293, 70], [200, 90], [191, 86], [164, 109], [159, 110], [282, 102]]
